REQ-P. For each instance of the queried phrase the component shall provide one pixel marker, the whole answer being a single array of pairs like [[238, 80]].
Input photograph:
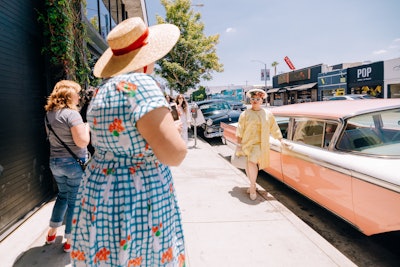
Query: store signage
[[283, 78], [299, 75], [289, 63], [365, 73]]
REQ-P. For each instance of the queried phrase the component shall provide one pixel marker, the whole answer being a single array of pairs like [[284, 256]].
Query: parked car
[[345, 159], [240, 106], [216, 111], [351, 97]]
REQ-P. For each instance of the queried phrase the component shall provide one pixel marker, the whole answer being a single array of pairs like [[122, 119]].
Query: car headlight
[[209, 122]]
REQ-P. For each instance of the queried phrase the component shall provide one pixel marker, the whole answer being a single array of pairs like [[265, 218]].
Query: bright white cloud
[[229, 30], [380, 52]]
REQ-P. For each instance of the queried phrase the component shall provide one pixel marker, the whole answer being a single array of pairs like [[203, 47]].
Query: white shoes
[[253, 196]]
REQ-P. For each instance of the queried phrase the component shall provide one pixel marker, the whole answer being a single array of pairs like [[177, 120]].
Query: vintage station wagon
[[344, 155]]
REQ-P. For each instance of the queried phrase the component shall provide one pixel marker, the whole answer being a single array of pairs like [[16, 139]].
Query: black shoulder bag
[[81, 163]]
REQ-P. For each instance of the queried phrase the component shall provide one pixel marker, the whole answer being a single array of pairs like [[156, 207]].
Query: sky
[[255, 33]]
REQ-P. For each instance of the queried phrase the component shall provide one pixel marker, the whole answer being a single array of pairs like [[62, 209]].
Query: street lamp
[[265, 71]]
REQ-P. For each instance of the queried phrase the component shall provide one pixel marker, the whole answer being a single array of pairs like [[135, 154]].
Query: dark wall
[[25, 180]]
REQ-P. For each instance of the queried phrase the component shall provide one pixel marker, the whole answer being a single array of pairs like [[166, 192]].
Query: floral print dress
[[127, 213]]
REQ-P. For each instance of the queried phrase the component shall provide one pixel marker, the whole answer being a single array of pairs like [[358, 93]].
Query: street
[[377, 250]]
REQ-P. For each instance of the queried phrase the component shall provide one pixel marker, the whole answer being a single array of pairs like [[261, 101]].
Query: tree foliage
[[194, 57], [274, 65]]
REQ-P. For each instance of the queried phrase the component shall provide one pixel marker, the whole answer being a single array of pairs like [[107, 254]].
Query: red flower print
[[116, 127], [157, 229], [108, 171], [78, 255], [123, 243], [181, 260], [167, 256], [135, 262], [129, 88], [132, 170], [102, 255]]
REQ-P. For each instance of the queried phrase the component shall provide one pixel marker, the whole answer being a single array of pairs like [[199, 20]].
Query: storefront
[[366, 79], [392, 78], [296, 87], [332, 83]]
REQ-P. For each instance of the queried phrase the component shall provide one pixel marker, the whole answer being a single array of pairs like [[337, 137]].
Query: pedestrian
[[184, 115], [64, 120], [169, 99], [255, 125], [128, 213]]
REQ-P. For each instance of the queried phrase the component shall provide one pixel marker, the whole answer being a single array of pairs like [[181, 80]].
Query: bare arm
[[158, 129], [80, 135]]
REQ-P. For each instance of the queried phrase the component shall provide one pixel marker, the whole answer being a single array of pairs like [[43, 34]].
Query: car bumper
[[213, 134]]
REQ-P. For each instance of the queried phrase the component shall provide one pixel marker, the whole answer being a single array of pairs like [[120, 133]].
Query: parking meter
[[193, 110]]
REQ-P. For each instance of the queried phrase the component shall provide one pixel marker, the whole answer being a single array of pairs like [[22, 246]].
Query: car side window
[[330, 128], [309, 131], [283, 124], [314, 132]]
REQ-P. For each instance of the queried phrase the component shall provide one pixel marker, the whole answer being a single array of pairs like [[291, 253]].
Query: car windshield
[[376, 134], [213, 107]]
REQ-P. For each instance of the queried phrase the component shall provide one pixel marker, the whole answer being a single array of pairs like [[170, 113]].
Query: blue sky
[[309, 32]]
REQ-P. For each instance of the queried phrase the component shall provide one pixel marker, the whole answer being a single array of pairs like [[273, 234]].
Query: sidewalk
[[222, 226]]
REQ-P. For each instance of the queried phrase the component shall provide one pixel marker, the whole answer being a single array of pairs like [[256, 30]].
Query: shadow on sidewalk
[[45, 256], [241, 194]]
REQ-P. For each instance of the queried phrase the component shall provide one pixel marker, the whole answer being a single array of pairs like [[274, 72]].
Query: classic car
[[351, 97], [216, 111], [237, 105], [343, 155]]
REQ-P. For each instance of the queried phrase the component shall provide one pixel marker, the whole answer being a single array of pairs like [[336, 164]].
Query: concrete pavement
[[222, 226]]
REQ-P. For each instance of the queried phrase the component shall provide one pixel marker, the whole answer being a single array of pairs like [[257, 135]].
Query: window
[[375, 133], [313, 132]]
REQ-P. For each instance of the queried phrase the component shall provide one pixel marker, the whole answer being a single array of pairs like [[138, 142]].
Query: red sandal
[[50, 239], [67, 247]]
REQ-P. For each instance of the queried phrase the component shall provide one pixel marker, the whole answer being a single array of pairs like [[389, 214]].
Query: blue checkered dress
[[127, 213]]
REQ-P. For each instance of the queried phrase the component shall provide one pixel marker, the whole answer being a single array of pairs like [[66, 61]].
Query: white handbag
[[239, 162]]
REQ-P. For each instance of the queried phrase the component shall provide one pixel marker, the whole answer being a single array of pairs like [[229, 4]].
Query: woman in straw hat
[[128, 213], [255, 125]]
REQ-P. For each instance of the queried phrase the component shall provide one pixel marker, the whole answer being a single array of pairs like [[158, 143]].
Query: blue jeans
[[68, 175]]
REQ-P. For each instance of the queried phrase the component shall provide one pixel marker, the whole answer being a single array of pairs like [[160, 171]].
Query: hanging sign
[[289, 63]]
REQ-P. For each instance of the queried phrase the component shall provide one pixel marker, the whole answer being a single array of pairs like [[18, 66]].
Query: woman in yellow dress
[[254, 128]]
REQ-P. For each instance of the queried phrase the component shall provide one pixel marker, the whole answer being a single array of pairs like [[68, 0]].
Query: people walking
[[65, 127], [128, 213], [184, 115], [255, 125]]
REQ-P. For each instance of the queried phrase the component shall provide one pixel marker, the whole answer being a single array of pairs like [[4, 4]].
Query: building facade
[[26, 81]]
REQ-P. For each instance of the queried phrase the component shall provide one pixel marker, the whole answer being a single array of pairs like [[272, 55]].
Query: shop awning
[[302, 87], [272, 90], [282, 90]]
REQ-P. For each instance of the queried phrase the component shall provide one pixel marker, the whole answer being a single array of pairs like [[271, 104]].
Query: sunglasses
[[255, 99]]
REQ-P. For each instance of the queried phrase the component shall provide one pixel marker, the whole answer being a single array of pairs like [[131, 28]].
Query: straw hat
[[256, 92], [133, 45]]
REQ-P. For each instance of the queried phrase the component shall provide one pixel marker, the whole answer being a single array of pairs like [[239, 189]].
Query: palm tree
[[274, 64]]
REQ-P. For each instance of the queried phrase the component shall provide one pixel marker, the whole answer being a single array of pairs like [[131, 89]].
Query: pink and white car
[[344, 155]]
